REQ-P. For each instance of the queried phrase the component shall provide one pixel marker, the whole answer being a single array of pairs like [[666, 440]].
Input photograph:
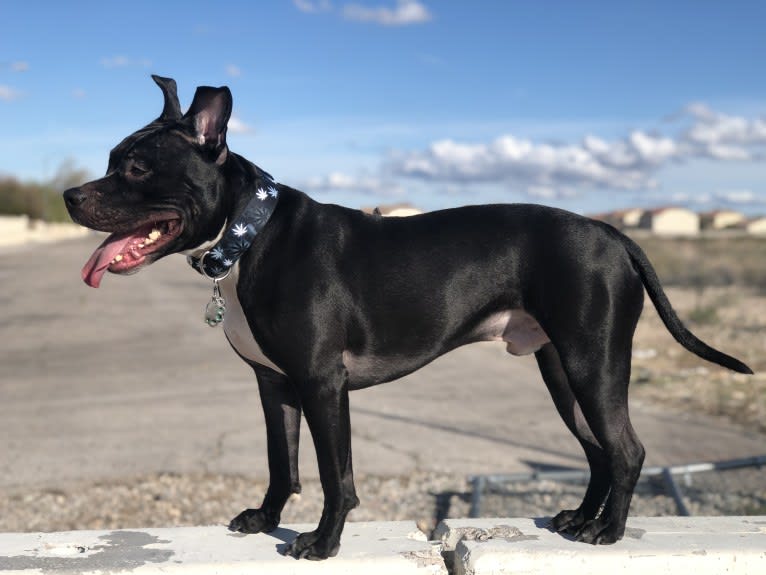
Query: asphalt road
[[128, 380]]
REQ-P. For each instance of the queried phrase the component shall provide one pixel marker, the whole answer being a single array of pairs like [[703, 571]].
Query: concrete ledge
[[367, 548], [658, 545], [655, 545]]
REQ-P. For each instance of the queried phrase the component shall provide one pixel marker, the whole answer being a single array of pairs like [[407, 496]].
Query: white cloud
[[115, 62], [237, 126], [656, 160], [699, 110], [623, 164], [19, 66], [8, 94], [405, 13], [628, 163], [723, 137], [732, 198], [548, 193], [740, 197], [652, 149], [233, 71], [684, 198], [338, 181], [121, 61], [723, 152], [312, 7]]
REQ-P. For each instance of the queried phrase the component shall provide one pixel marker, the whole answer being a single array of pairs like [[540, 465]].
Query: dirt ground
[[728, 318]]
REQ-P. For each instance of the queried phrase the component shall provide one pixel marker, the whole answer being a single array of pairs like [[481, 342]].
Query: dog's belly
[[365, 370], [519, 330], [235, 324]]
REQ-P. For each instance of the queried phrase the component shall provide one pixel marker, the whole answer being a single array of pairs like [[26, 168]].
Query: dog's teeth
[[150, 239], [117, 258]]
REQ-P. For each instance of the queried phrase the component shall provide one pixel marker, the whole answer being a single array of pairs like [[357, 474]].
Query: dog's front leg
[[282, 411], [326, 406]]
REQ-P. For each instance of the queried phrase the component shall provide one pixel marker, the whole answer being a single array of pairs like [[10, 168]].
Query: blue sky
[[585, 105]]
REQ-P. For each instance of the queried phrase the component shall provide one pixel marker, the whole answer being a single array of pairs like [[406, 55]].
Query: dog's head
[[164, 187]]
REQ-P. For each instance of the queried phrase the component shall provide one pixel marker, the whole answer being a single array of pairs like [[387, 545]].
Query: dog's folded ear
[[208, 116], [172, 108]]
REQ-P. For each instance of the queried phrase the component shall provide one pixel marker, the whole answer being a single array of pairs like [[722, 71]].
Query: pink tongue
[[98, 263]]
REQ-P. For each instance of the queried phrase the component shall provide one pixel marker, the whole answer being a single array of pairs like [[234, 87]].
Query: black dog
[[325, 299]]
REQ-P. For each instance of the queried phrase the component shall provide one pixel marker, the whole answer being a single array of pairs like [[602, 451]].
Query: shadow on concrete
[[467, 433]]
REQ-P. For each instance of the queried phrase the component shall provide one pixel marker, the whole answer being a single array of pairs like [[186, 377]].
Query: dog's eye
[[138, 170]]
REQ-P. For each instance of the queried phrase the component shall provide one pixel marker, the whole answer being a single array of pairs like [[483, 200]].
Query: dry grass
[[718, 287], [708, 261]]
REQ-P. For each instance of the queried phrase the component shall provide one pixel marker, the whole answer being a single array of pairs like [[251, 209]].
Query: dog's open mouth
[[123, 252]]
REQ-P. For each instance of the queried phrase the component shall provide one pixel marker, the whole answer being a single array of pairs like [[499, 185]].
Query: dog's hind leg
[[326, 407], [589, 306], [571, 521], [282, 411], [598, 372]]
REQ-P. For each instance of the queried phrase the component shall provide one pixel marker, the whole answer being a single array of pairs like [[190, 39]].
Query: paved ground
[[127, 380]]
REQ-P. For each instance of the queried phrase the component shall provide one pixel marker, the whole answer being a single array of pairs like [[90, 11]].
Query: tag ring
[[204, 273]]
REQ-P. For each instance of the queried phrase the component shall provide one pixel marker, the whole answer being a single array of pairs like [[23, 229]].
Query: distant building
[[671, 221], [756, 225], [395, 210], [631, 218], [621, 219], [721, 219]]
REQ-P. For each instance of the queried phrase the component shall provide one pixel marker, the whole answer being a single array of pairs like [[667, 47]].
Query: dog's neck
[[252, 205]]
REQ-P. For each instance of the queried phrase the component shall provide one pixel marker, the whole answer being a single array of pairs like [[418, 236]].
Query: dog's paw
[[254, 521], [600, 532], [312, 546], [568, 521]]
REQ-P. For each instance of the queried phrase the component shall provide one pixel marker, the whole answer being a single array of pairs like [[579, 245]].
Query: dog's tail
[[668, 315]]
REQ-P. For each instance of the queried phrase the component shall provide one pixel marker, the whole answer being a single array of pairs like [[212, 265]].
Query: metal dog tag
[[216, 307]]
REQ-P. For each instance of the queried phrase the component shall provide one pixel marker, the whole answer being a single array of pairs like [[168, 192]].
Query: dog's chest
[[236, 327]]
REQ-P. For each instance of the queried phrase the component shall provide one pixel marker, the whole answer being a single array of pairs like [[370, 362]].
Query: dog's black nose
[[74, 197]]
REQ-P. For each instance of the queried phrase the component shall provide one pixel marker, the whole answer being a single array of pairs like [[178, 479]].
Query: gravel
[[165, 500]]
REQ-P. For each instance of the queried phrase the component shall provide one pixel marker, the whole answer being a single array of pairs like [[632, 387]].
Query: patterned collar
[[216, 262]]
